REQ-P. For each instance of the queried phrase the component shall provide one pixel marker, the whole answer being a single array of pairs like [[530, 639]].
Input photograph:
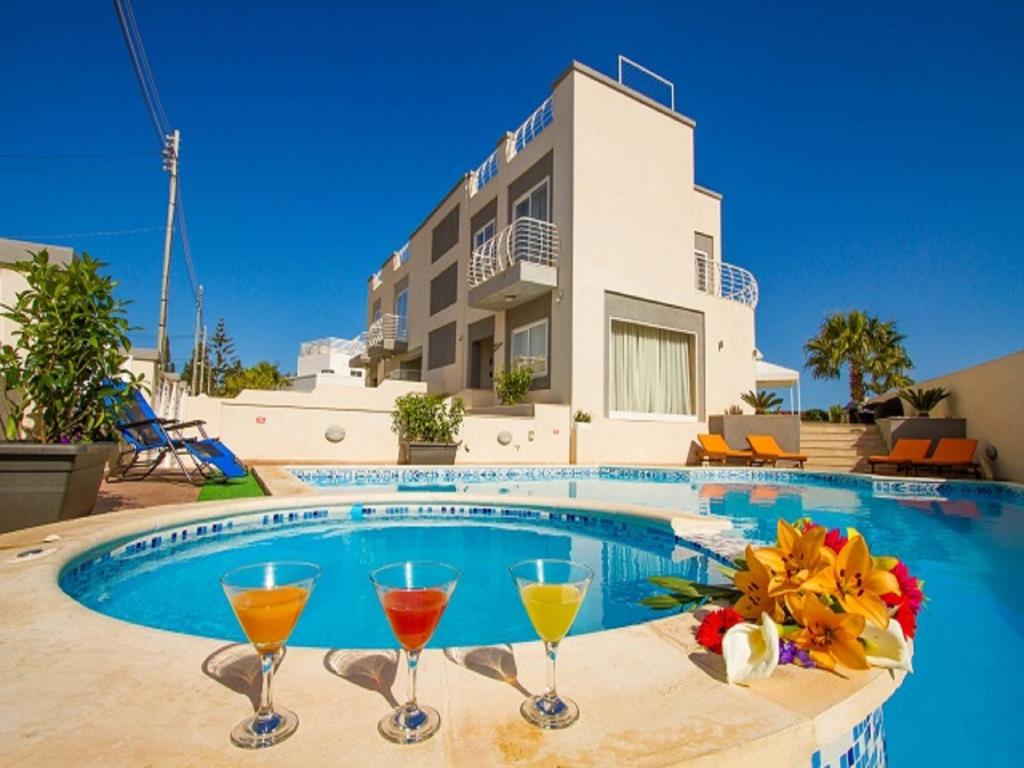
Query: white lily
[[887, 648], [751, 652]]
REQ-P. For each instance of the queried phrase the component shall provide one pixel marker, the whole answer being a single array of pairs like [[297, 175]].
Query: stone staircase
[[839, 447]]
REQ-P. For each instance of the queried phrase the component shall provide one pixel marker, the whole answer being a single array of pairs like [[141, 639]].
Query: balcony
[[516, 265], [387, 336], [727, 281]]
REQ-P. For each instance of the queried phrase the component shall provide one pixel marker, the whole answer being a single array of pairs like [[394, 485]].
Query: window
[[444, 289], [376, 310], [534, 204], [483, 235], [530, 347], [402, 310], [651, 371]]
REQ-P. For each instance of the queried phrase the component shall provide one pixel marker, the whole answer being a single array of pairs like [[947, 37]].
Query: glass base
[[410, 726], [550, 714], [257, 733]]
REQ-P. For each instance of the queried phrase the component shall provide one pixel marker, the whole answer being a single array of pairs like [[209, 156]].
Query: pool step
[[839, 447]]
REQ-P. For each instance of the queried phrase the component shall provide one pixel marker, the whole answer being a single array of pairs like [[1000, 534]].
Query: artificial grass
[[244, 488]]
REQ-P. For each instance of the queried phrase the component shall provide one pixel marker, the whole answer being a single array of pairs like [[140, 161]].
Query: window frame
[[544, 321], [679, 418], [545, 182], [491, 222]]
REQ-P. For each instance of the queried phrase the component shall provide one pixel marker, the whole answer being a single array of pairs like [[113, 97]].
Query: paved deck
[[154, 491]]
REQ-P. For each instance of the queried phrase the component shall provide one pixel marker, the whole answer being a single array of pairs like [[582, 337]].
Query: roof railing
[[400, 256], [487, 170], [525, 239], [532, 126]]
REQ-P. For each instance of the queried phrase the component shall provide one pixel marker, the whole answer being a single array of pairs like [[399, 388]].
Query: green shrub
[[836, 412], [419, 418], [761, 402], [734, 410], [72, 341], [924, 400], [513, 385], [814, 414], [582, 417]]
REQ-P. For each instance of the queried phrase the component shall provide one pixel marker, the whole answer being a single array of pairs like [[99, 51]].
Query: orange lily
[[856, 583], [830, 637], [753, 583], [797, 558]]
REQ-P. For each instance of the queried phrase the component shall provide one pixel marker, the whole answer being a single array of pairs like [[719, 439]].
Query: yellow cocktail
[[268, 599], [552, 592]]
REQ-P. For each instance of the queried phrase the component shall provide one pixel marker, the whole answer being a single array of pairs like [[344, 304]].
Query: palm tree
[[871, 350]]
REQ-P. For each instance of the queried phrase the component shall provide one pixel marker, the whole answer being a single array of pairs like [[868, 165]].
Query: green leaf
[[660, 602], [674, 584]]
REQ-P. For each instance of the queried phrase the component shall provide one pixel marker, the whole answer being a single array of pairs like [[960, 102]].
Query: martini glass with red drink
[[413, 594]]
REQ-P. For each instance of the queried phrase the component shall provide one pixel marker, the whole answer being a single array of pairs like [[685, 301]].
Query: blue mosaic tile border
[[109, 560], [423, 478], [864, 747]]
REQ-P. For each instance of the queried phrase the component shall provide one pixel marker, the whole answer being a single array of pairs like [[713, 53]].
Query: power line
[[133, 41], [102, 233], [76, 156]]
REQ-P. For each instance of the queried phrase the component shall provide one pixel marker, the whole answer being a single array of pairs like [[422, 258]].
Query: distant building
[[327, 363], [11, 283]]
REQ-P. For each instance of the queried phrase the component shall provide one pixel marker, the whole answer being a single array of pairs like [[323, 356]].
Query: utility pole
[[195, 343], [202, 364], [170, 154]]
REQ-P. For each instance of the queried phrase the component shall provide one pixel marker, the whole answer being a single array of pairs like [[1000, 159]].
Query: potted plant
[[427, 427], [70, 341], [924, 400], [512, 386], [761, 402]]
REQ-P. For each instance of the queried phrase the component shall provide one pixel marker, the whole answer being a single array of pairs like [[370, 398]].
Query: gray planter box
[[42, 484], [735, 428], [920, 428], [428, 453]]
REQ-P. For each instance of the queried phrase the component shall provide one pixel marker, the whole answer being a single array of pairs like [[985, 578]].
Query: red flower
[[713, 628], [908, 620], [908, 602], [835, 540]]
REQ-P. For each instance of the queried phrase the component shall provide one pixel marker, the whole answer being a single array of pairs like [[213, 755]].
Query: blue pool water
[[966, 541]]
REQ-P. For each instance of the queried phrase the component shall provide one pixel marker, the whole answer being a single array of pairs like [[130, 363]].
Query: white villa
[[583, 247], [327, 362]]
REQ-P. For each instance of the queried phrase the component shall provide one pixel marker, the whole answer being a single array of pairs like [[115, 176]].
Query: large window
[[402, 310], [651, 371], [530, 347], [483, 235], [534, 203]]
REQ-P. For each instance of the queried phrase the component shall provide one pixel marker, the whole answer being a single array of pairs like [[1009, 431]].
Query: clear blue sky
[[871, 154]]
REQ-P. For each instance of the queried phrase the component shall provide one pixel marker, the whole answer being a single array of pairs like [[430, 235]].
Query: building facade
[[583, 248], [328, 362]]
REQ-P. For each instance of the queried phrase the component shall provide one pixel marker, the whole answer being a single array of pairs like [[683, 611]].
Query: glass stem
[[413, 658], [551, 651], [266, 708]]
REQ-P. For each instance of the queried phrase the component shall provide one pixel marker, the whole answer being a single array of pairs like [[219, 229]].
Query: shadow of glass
[[494, 661], [372, 670], [237, 667]]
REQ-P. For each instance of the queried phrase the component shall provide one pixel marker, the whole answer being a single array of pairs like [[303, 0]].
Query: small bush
[[734, 410], [419, 418], [924, 400], [513, 385], [814, 414], [761, 402], [836, 413], [582, 417]]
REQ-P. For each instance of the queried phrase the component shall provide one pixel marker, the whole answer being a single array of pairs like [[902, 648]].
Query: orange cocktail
[[413, 595], [268, 599]]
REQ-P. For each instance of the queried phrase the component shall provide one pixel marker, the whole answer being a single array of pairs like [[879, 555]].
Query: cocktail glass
[[552, 592], [268, 599], [413, 594]]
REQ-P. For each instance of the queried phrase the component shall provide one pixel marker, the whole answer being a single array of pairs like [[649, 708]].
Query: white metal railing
[[728, 281], [376, 281], [404, 374], [524, 239], [350, 347], [400, 256], [533, 125], [389, 327], [647, 83], [169, 399], [487, 170]]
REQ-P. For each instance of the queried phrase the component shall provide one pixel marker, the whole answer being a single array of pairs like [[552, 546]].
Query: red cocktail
[[414, 614]]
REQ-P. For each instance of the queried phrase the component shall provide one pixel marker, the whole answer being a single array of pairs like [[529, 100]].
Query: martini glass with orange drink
[[268, 599], [552, 592], [414, 595]]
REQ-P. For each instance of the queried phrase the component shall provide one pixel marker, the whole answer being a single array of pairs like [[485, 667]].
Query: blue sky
[[871, 154]]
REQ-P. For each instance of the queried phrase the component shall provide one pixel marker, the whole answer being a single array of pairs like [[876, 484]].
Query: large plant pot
[[428, 453], [42, 484]]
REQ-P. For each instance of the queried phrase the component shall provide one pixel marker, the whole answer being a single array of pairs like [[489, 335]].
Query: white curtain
[[650, 370]]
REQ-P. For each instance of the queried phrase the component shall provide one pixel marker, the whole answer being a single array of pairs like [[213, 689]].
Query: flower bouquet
[[815, 599]]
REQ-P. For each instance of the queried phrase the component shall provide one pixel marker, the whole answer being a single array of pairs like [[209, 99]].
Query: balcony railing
[[526, 239], [376, 281], [404, 374], [728, 281], [400, 256], [387, 328]]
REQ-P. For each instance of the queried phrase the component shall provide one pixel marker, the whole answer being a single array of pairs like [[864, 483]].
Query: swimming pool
[[965, 539]]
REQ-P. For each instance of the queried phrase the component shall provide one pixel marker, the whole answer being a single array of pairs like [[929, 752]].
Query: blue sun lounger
[[149, 439]]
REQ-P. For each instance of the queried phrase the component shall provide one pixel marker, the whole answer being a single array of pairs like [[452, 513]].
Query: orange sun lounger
[[902, 454], [951, 453], [767, 451], [713, 448]]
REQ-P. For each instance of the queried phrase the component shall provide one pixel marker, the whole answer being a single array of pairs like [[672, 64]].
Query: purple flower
[[790, 654]]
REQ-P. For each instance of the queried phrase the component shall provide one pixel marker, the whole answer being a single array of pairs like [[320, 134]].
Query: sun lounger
[[902, 454], [714, 449], [767, 451], [952, 453]]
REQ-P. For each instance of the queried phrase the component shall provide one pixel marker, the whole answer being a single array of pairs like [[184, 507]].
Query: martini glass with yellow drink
[[552, 592], [268, 599]]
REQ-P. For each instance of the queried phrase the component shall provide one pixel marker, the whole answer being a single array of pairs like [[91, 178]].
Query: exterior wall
[[991, 397], [11, 283], [635, 213]]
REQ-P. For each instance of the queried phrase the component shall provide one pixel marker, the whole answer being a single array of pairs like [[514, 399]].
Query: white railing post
[[718, 278]]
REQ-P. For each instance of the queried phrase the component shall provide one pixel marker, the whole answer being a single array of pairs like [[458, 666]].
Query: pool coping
[[87, 688]]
